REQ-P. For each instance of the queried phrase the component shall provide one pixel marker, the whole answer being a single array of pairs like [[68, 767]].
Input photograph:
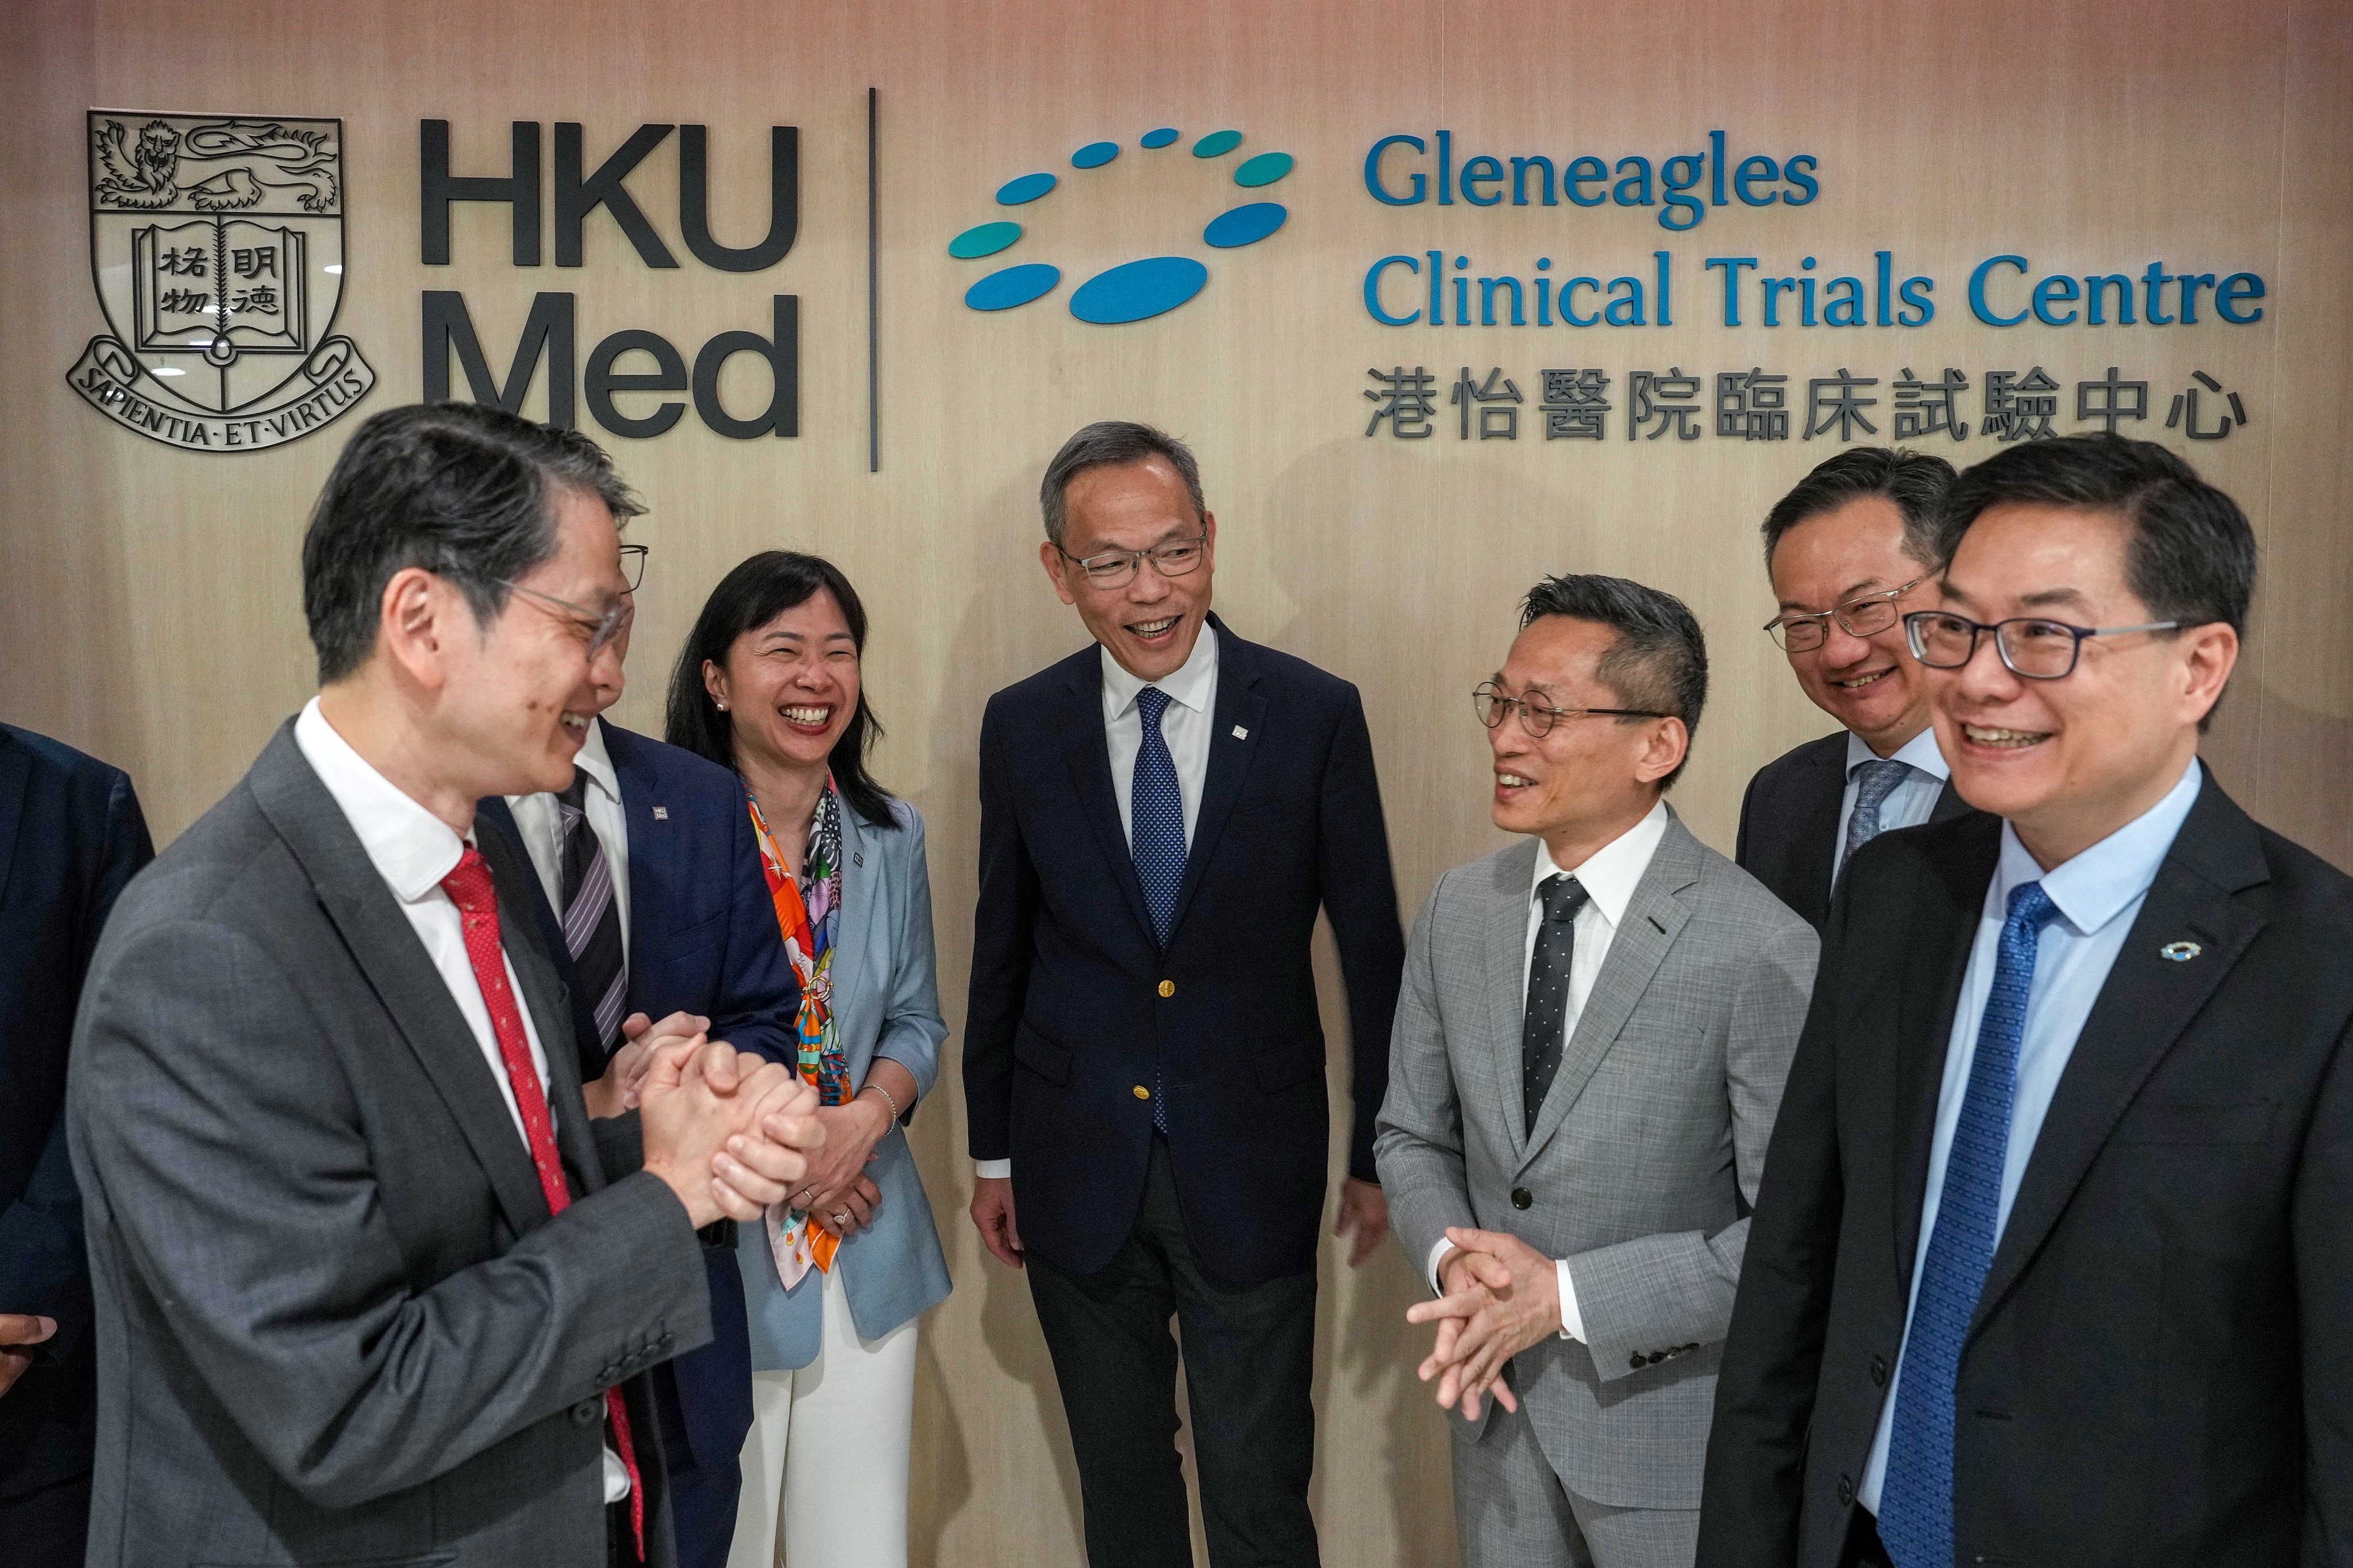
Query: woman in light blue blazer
[[770, 685]]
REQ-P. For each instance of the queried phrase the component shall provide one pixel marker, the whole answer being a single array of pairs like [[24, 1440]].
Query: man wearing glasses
[[1590, 1041], [1848, 551], [2055, 1247], [650, 902], [1162, 815]]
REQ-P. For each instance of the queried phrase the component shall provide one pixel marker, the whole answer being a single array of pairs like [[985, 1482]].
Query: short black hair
[[2191, 556], [1914, 481], [1660, 661], [461, 489], [1109, 443], [761, 588]]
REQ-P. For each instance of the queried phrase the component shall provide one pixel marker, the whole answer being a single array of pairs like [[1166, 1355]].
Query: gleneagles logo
[[217, 245]]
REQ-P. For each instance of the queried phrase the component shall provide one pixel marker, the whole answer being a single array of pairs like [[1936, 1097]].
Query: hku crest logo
[[216, 243]]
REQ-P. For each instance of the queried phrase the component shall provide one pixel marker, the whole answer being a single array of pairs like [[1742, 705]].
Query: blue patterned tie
[[1157, 832], [1878, 781], [1915, 1505]]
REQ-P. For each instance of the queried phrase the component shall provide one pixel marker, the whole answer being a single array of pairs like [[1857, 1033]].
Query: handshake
[[729, 1131]]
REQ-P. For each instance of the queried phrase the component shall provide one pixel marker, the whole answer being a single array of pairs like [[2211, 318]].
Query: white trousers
[[824, 1465]]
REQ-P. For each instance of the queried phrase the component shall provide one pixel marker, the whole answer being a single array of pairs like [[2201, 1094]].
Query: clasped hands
[[1501, 1297], [729, 1131]]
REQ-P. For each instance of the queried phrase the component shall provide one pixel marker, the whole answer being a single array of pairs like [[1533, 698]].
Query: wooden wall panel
[[152, 599]]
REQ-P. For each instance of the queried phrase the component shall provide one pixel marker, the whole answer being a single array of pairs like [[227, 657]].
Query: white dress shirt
[[1609, 876], [1185, 724], [2099, 894], [541, 820], [1909, 803], [412, 850]]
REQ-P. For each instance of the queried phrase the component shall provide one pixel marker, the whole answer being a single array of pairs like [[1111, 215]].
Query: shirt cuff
[[1437, 1256], [993, 1170], [1572, 1321]]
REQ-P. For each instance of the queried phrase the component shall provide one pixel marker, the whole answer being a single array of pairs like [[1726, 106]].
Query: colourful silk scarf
[[808, 914]]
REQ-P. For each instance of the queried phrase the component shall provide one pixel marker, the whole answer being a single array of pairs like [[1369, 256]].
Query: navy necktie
[[1157, 832], [1543, 1031], [592, 920], [1915, 1505], [1879, 779]]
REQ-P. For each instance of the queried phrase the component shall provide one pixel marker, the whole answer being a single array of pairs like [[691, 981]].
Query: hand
[[992, 1211], [857, 1201], [1513, 1302], [761, 1167], [1364, 1209], [619, 1090], [701, 1103], [851, 1132], [20, 1329]]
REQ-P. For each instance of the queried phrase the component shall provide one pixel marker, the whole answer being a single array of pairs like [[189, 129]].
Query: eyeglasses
[[633, 564], [601, 625], [1117, 568], [1865, 614], [2034, 649], [1539, 717]]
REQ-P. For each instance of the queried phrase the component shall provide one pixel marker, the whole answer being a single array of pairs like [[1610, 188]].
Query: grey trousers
[[1512, 1511]]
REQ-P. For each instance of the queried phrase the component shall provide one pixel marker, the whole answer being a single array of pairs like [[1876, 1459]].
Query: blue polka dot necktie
[[1878, 781], [1157, 832], [1544, 1028], [1915, 1505]]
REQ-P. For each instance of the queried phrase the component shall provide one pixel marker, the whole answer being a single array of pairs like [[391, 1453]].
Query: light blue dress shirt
[[2099, 894], [1909, 803]]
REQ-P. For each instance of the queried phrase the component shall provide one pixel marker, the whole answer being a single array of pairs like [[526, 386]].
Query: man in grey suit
[[370, 1284], [1589, 1052]]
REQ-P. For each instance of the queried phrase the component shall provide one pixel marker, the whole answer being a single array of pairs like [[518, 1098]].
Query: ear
[[1050, 557], [714, 683], [1670, 743], [1209, 545], [2209, 654], [415, 620]]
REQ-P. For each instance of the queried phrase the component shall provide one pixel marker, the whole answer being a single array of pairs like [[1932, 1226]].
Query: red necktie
[[469, 888]]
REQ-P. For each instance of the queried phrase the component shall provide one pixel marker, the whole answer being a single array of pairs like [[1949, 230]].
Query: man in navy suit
[[651, 901], [1161, 817], [70, 837]]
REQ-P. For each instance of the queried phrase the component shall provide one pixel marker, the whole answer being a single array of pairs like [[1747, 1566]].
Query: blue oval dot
[[1217, 143], [1160, 138], [1135, 290], [1094, 154], [1264, 170], [983, 239], [1245, 225], [1013, 286], [1028, 188]]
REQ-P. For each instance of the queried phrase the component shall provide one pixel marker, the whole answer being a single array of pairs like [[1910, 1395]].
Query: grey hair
[[1111, 443]]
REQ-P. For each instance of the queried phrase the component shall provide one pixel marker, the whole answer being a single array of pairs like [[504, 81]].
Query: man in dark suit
[[650, 901], [370, 1285], [1161, 817], [2053, 1253], [71, 836], [1849, 550]]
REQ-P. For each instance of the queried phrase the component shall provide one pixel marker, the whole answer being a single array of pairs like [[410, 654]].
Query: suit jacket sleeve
[[1772, 1356], [237, 1174], [1419, 1147], [912, 1028], [1748, 809], [759, 998], [2322, 1215], [1004, 945], [1360, 896], [43, 1267], [1677, 1288]]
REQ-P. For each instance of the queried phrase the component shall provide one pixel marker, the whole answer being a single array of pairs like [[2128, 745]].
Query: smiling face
[[790, 685], [1591, 778], [1871, 685], [1151, 623], [2069, 761]]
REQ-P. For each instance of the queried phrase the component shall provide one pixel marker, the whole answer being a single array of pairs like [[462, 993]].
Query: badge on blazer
[[2179, 952]]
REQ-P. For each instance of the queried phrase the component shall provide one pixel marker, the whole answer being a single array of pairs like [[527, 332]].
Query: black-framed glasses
[[1117, 568], [2031, 649], [601, 625], [1537, 717], [633, 564], [1865, 614]]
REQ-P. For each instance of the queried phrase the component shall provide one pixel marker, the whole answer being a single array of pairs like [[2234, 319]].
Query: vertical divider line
[[873, 337]]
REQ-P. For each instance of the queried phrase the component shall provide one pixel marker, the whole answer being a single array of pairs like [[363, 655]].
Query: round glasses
[[1865, 614], [2034, 649], [1537, 717], [1117, 568]]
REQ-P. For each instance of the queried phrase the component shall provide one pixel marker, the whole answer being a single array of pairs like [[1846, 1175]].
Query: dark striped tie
[[591, 922]]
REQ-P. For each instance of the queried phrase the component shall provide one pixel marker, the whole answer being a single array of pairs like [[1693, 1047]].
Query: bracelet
[[886, 1099]]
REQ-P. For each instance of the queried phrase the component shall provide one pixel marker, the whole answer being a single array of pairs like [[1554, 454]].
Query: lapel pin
[[662, 814], [2179, 952], [859, 859], [1240, 733]]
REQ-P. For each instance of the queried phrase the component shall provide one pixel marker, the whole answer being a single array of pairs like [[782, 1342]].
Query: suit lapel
[[491, 819], [650, 852], [1949, 804], [1087, 753], [2143, 1008], [1504, 941], [1655, 917], [1234, 730], [1814, 847], [859, 933], [16, 776], [385, 947], [543, 997]]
